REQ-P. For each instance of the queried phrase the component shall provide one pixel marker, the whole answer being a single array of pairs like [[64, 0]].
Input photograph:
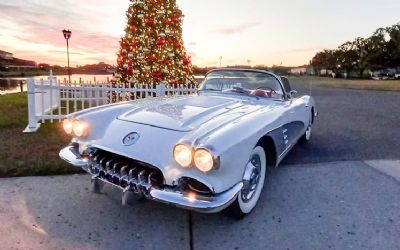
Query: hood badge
[[130, 139]]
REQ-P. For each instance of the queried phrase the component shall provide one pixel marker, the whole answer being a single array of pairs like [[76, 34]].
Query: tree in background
[[377, 52], [152, 49]]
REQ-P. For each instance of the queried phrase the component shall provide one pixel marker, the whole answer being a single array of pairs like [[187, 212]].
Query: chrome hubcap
[[308, 132], [250, 186]]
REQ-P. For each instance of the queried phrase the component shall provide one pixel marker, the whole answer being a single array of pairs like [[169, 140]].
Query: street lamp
[[67, 36]]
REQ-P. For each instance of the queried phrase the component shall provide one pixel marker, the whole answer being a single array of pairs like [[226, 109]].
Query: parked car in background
[[207, 152]]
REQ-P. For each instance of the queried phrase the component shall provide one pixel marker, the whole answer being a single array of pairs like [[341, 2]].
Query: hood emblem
[[130, 139]]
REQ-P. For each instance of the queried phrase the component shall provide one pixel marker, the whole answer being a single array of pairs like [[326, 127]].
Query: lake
[[12, 85]]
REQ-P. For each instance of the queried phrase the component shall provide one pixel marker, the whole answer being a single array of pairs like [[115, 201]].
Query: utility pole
[[67, 36]]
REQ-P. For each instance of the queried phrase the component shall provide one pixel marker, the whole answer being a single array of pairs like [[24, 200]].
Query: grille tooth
[[96, 158], [103, 160], [132, 174], [142, 177], [150, 177], [124, 170], [109, 164], [116, 176]]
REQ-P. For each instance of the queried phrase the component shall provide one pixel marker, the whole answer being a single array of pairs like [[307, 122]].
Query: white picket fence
[[51, 100]]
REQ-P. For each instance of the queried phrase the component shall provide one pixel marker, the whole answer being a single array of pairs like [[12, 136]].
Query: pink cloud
[[238, 28], [44, 26]]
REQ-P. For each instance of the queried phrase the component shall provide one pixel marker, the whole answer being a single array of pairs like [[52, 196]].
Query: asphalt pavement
[[340, 191], [340, 205], [351, 125]]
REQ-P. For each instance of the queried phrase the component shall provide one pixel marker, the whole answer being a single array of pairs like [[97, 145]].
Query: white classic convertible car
[[206, 152]]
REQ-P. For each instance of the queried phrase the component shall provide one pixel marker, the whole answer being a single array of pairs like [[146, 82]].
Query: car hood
[[186, 113]]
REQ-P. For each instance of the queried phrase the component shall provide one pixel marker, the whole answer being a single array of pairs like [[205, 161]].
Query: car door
[[294, 115]]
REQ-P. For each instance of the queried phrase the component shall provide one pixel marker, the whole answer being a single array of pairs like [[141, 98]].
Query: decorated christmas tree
[[152, 49]]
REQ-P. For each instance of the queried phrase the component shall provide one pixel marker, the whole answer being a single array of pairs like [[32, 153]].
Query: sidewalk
[[338, 205]]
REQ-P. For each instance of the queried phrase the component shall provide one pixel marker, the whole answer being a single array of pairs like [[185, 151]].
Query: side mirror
[[292, 94]]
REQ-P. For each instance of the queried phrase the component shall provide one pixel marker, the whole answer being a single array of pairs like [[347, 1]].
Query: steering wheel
[[271, 90], [263, 92], [235, 89]]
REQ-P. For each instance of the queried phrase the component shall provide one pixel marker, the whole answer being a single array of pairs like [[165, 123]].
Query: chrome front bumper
[[188, 200]]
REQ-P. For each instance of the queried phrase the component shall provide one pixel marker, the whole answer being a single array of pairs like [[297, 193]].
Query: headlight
[[203, 160], [80, 128], [183, 155], [67, 125]]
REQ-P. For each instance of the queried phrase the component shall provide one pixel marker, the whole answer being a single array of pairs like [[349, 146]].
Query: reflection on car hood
[[187, 113]]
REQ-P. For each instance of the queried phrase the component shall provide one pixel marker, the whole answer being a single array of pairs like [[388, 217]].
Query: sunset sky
[[265, 32]]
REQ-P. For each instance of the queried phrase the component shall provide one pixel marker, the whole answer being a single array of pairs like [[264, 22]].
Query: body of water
[[12, 84]]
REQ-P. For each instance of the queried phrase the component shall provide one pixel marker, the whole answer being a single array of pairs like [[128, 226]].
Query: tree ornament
[[157, 74], [134, 28], [160, 41], [150, 21]]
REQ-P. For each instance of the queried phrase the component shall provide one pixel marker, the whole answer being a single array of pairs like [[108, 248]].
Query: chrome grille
[[129, 174]]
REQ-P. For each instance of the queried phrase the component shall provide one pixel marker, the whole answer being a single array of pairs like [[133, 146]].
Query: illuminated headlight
[[183, 155], [75, 127], [204, 160], [67, 125], [80, 128]]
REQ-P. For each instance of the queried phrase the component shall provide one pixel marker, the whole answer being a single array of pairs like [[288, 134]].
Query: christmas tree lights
[[152, 49]]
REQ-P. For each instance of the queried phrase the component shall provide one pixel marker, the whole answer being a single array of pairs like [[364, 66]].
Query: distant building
[[298, 70], [6, 55]]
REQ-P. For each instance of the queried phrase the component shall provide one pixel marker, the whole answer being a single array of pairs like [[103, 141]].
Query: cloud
[[240, 28], [33, 28]]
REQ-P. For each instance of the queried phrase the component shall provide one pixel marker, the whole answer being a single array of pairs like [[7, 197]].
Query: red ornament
[[165, 21], [151, 57], [178, 45], [157, 74], [134, 28], [160, 41], [150, 21], [186, 61], [174, 20], [129, 70], [151, 31], [135, 44], [167, 62]]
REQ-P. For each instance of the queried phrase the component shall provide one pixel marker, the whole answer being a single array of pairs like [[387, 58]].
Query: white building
[[302, 70]]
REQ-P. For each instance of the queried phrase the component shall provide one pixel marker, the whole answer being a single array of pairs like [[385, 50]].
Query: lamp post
[[67, 36]]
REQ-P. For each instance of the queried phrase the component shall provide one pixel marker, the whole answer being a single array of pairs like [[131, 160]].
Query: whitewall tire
[[253, 183], [306, 137]]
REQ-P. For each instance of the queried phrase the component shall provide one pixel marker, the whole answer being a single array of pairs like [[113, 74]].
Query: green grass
[[25, 154], [382, 85]]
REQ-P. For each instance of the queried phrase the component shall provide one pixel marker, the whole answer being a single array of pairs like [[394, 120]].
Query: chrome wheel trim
[[247, 207], [250, 186], [308, 131]]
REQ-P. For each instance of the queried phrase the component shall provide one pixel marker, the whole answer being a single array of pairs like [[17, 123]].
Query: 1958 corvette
[[206, 152]]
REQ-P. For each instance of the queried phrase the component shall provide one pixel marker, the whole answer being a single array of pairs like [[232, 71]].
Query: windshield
[[245, 82]]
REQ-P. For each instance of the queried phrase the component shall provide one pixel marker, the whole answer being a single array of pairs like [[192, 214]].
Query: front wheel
[[253, 183], [306, 137]]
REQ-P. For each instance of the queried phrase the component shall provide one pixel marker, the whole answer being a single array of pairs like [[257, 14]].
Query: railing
[[53, 100]]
